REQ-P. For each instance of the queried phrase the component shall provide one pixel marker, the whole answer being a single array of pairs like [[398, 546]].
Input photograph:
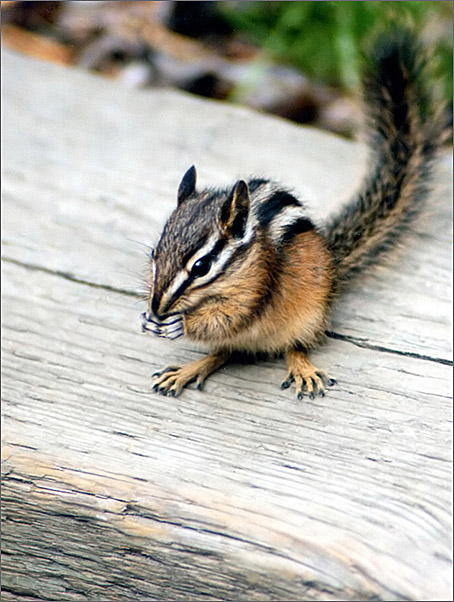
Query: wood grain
[[239, 492]]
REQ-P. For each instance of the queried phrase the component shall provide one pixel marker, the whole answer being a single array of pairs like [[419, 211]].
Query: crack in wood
[[362, 343], [331, 334], [73, 278]]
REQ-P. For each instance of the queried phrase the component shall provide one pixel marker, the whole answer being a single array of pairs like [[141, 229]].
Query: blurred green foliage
[[324, 39]]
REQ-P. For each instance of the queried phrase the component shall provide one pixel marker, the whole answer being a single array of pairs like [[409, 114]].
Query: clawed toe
[[169, 382], [307, 378], [285, 384], [164, 371]]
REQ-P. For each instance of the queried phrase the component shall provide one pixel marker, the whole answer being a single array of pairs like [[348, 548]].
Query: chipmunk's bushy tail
[[405, 135]]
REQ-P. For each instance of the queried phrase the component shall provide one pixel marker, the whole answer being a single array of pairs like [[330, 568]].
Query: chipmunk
[[244, 269]]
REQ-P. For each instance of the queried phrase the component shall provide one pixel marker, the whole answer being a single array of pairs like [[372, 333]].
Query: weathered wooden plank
[[107, 162], [326, 497], [240, 492]]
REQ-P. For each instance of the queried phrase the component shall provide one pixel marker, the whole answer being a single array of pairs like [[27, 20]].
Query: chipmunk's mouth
[[169, 327]]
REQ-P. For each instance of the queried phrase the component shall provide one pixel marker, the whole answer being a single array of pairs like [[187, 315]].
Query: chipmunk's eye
[[201, 267]]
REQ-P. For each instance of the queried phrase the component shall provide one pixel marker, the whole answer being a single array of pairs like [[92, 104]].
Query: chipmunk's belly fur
[[304, 328]]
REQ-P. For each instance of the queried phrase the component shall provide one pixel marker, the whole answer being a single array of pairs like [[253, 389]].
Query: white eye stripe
[[227, 252], [183, 275], [205, 250], [176, 283], [223, 257], [217, 266], [219, 262], [152, 281]]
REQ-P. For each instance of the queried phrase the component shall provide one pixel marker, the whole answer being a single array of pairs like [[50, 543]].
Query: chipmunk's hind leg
[[307, 378], [172, 380]]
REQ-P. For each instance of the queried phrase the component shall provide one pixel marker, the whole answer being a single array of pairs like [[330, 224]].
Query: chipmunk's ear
[[187, 185], [235, 211]]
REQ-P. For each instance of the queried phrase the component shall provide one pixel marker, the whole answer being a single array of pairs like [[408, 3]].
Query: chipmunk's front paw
[[170, 327], [172, 380], [307, 378]]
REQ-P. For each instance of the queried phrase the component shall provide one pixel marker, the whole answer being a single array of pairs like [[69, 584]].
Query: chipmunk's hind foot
[[307, 378]]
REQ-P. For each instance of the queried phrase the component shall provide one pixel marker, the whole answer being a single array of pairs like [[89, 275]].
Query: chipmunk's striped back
[[278, 213]]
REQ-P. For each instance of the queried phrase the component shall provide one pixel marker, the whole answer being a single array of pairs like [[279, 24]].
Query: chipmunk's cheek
[[192, 326], [210, 323]]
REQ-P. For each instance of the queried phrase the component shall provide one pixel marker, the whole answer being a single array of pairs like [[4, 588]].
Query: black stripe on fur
[[278, 201], [301, 225]]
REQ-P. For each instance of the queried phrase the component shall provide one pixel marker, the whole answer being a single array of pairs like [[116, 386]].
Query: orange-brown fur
[[296, 314], [229, 303], [275, 294], [298, 310]]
